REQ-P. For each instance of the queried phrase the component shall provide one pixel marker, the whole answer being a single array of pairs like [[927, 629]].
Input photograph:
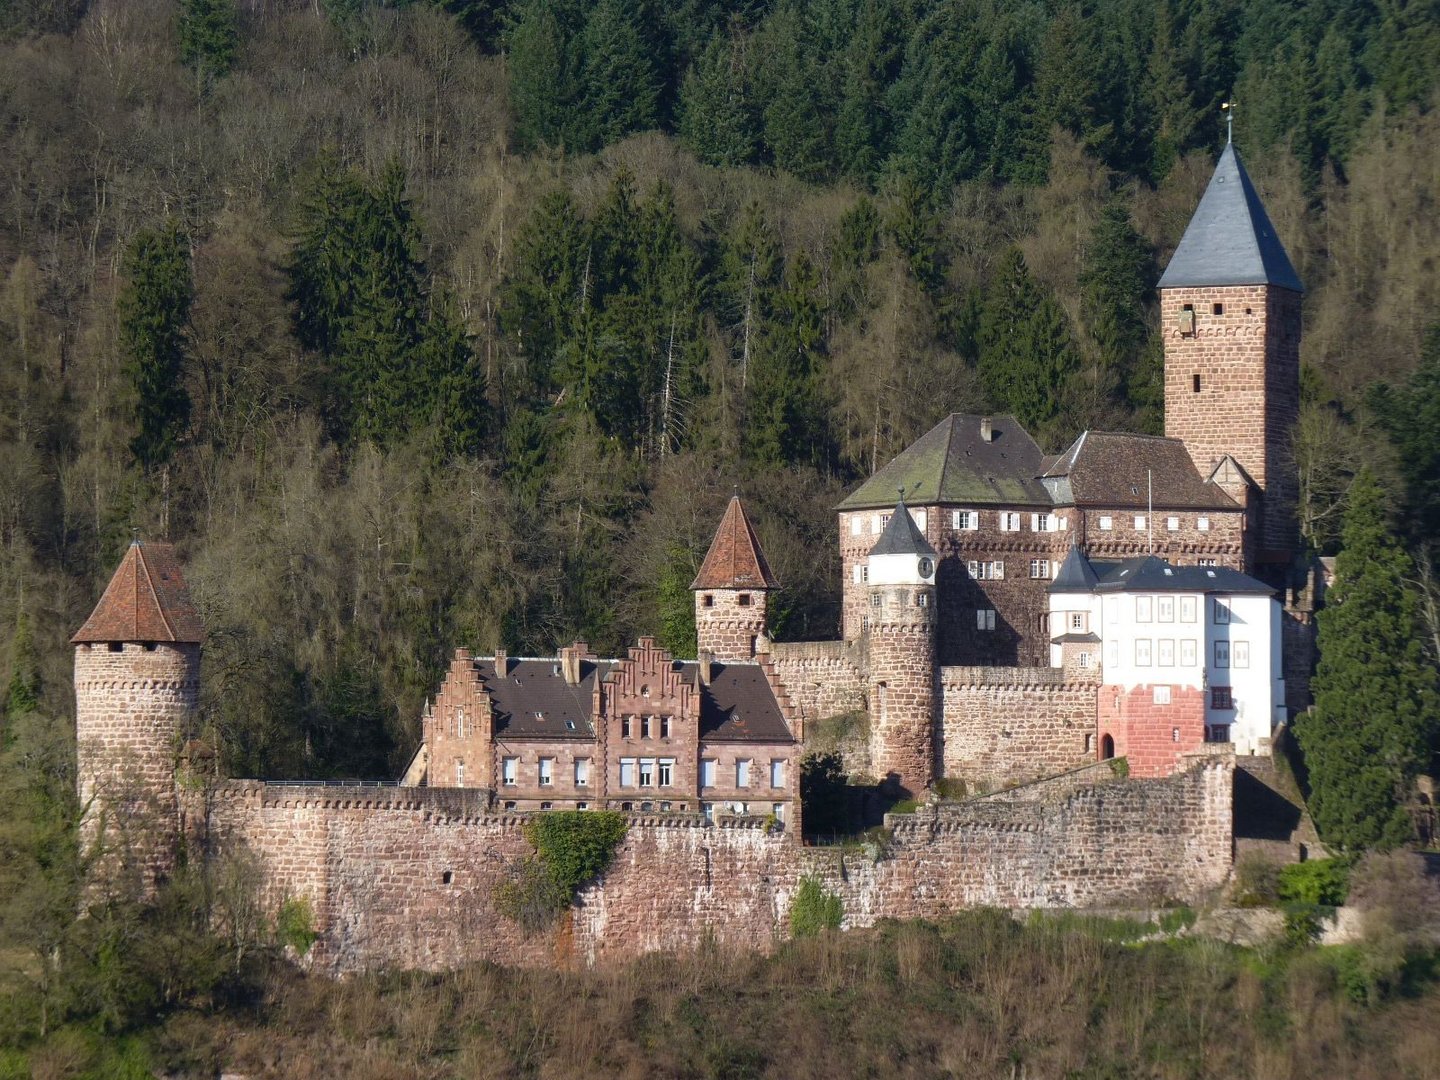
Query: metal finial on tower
[[1228, 108]]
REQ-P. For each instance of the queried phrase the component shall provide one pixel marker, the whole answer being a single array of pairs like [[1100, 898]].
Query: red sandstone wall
[[726, 628], [1153, 738], [374, 865], [1010, 725], [821, 678]]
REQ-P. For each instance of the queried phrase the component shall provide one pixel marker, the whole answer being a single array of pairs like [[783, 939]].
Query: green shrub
[[1302, 924], [1120, 767], [571, 848], [813, 909], [1319, 881], [295, 925], [952, 788], [905, 806], [1175, 919]]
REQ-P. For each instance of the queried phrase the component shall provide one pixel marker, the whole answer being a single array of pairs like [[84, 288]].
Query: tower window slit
[[1195, 383]]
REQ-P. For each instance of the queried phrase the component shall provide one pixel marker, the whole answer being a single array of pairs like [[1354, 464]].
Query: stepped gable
[[533, 700], [735, 560], [1230, 240], [902, 536], [1119, 469], [147, 600], [954, 463]]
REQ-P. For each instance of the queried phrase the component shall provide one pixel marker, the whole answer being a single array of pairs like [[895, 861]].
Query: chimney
[[570, 662], [987, 433], [502, 663], [462, 655], [706, 661]]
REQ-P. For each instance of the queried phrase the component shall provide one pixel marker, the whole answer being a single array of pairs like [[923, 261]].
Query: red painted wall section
[[1151, 736]]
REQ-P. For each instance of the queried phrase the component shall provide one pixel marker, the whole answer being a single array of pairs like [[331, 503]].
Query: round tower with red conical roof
[[137, 683]]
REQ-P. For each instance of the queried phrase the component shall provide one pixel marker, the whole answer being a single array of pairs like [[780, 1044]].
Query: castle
[[1011, 620]]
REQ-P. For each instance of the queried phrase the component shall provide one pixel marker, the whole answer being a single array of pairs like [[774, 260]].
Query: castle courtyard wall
[[1004, 726], [405, 877], [822, 678]]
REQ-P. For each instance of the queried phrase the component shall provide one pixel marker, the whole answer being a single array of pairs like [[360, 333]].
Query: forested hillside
[[420, 325]]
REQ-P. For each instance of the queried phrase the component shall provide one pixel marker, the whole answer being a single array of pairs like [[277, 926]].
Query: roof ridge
[[150, 584]]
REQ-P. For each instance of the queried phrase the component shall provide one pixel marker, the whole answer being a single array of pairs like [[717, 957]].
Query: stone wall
[[404, 877], [730, 622], [1008, 725], [821, 678]]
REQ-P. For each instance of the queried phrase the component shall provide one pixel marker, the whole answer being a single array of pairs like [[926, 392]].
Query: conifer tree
[[1410, 415], [1116, 281], [543, 75], [717, 119], [783, 423], [154, 312], [1376, 703], [22, 695], [1026, 352], [621, 77], [209, 37]]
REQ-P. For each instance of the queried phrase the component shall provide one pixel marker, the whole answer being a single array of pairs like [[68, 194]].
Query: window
[[459, 723], [1203, 524], [665, 771], [922, 599], [875, 525], [547, 771], [1174, 734], [1165, 652], [646, 771], [582, 806], [1207, 562], [509, 806], [965, 520], [1140, 523], [1219, 309], [1187, 609], [1112, 653], [545, 806], [875, 599], [1009, 522], [884, 521], [627, 772], [855, 525], [919, 516], [582, 772], [664, 727], [645, 727], [986, 570], [855, 573], [742, 773], [1240, 653], [1084, 660], [509, 771], [743, 599], [1039, 568], [1043, 523], [709, 600], [984, 618], [1222, 612], [1143, 606], [1187, 653], [1220, 698], [778, 810], [665, 807], [1089, 742], [707, 772], [627, 727], [707, 811], [777, 772], [1106, 522], [459, 774], [1142, 652], [1161, 695], [1195, 384], [1222, 654], [1172, 524], [1164, 609], [1077, 621]]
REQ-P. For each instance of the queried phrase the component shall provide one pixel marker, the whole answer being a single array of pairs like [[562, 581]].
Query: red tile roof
[[735, 560], [146, 600]]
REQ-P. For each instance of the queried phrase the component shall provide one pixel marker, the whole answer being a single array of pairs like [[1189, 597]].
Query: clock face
[[927, 567]]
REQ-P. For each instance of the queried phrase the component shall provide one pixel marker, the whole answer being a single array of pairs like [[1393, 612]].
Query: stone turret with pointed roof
[[1230, 310], [731, 590], [137, 683]]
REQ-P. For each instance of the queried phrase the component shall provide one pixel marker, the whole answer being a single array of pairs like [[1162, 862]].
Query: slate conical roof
[[1076, 574], [146, 600], [735, 560], [1230, 240], [902, 536]]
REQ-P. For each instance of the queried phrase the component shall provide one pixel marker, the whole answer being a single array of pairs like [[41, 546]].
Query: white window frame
[[547, 771], [1078, 621], [1165, 652], [1172, 524], [1142, 652], [985, 618], [1106, 523], [707, 772], [627, 772], [965, 520], [1240, 654], [1160, 695], [855, 525], [1187, 609], [645, 772], [582, 772], [1141, 522], [1112, 653], [1009, 521], [1189, 654], [509, 771], [665, 772], [1040, 568], [1202, 524], [459, 773], [1144, 609], [1164, 609], [742, 773], [777, 772]]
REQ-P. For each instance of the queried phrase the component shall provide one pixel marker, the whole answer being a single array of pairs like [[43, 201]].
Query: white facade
[[1226, 644]]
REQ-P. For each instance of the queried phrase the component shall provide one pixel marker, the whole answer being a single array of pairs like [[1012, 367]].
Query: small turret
[[137, 683], [731, 589], [900, 635]]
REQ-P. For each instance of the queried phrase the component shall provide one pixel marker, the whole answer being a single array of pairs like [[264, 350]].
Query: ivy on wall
[[571, 848]]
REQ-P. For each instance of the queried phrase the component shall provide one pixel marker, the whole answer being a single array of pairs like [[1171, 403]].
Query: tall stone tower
[[1230, 312], [137, 681], [731, 589], [899, 631]]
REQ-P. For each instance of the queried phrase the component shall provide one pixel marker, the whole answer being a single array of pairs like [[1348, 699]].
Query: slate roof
[[1106, 468], [1150, 573], [902, 536], [147, 600], [735, 560], [533, 701], [1230, 240], [1075, 575], [951, 463]]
